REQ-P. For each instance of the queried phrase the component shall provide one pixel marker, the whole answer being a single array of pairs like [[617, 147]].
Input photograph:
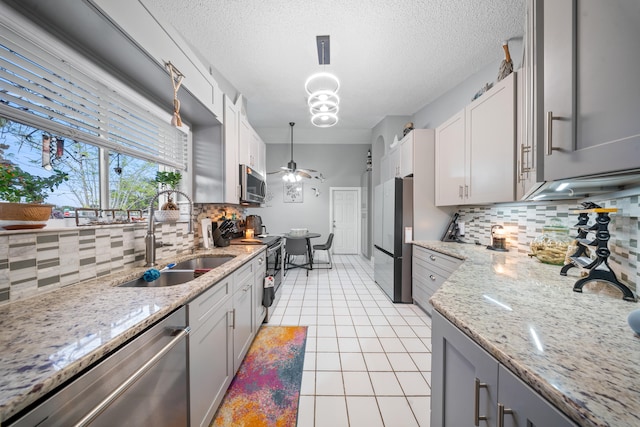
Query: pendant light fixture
[[322, 89]]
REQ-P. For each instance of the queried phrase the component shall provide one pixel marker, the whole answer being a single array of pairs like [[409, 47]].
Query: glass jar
[[551, 247]]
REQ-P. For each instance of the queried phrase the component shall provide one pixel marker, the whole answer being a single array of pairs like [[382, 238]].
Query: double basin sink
[[182, 272]]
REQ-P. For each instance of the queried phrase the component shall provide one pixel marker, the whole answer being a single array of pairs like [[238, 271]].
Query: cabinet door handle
[[460, 191], [233, 319], [550, 119], [476, 408], [432, 258], [260, 261], [501, 412], [466, 191], [432, 277], [524, 149]]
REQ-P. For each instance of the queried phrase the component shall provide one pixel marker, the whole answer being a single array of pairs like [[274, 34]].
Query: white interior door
[[345, 220]]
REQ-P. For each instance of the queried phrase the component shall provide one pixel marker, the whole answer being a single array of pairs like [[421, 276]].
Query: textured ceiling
[[391, 56]]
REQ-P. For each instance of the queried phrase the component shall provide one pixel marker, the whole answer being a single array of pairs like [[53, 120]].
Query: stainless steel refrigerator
[[393, 222]]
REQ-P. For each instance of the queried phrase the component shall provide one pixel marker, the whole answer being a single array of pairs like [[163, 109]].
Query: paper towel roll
[[207, 233]]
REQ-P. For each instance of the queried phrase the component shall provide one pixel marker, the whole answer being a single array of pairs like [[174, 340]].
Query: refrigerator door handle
[[383, 251]]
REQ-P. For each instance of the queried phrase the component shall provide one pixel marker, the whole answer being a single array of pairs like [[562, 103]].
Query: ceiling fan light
[[324, 120]]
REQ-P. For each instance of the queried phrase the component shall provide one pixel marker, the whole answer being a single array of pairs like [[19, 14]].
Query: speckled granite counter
[[588, 362], [48, 339]]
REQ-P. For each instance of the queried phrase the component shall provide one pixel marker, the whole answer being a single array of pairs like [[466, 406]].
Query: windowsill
[[69, 224]]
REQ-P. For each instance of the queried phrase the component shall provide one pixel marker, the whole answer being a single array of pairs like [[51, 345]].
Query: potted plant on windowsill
[[169, 211], [23, 196]]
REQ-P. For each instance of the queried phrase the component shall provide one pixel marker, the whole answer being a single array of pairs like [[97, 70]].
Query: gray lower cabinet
[[471, 388], [243, 324], [223, 326], [523, 406], [429, 270], [210, 350]]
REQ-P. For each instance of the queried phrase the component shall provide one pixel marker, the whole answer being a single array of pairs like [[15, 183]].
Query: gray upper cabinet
[[591, 87]]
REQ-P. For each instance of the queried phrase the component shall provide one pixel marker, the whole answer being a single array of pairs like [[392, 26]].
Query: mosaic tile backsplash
[[35, 262], [524, 222]]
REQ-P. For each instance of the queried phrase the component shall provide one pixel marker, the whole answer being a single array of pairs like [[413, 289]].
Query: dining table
[[308, 236]]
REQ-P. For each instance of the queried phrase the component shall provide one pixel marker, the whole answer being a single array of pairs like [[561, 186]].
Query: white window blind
[[42, 90]]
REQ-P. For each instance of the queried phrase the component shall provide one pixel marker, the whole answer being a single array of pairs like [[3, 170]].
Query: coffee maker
[[254, 222]]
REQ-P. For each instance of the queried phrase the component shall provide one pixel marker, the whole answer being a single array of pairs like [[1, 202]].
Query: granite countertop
[[48, 339], [587, 359]]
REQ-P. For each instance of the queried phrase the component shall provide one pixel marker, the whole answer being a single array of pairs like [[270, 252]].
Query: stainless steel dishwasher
[[144, 383]]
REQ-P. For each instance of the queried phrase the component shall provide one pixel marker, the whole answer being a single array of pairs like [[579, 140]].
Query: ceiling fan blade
[[308, 170], [285, 168], [271, 173], [303, 173]]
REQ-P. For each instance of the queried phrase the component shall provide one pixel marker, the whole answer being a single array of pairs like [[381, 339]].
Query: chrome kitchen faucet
[[150, 238]]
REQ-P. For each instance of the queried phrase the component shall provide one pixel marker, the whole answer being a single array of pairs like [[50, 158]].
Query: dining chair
[[324, 247], [294, 248]]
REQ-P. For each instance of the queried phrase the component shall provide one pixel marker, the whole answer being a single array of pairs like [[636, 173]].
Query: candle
[[248, 233]]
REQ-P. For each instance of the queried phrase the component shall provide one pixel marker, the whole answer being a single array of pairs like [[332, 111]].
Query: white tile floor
[[367, 360]]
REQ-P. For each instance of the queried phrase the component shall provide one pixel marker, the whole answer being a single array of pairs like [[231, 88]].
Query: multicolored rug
[[266, 389]]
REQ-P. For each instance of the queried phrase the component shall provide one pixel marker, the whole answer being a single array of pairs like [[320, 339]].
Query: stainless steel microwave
[[253, 186]]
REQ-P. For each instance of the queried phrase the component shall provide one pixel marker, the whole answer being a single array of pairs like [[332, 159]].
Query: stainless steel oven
[[275, 268]]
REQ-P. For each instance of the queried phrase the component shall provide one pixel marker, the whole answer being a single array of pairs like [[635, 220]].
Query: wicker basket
[[15, 216], [167, 215]]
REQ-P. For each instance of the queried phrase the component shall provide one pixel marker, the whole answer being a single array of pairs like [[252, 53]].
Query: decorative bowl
[[17, 216], [167, 215]]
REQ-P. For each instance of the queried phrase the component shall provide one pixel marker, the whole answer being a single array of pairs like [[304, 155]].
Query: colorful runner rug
[[266, 389]]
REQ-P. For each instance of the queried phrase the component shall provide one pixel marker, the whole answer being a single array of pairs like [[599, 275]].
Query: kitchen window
[[110, 139], [130, 180]]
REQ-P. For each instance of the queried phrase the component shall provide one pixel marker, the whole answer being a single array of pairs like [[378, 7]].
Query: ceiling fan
[[291, 172]]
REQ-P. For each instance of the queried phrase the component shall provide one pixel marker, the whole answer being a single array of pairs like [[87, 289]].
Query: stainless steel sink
[[207, 262], [182, 272], [167, 278]]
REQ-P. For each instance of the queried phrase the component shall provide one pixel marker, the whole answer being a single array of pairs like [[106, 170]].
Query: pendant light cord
[[291, 124]]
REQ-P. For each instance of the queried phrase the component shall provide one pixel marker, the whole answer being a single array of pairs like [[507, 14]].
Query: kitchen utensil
[[219, 239], [152, 274], [506, 67]]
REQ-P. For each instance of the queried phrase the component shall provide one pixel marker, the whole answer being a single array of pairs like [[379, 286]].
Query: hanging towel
[[269, 292]]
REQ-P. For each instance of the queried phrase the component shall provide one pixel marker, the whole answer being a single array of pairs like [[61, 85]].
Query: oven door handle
[[273, 249], [100, 407]]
